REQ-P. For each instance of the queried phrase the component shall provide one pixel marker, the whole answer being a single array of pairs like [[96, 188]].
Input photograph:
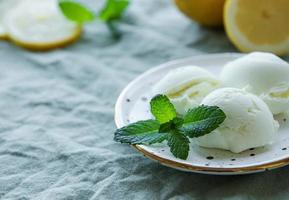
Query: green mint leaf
[[75, 11], [179, 144], [175, 123], [166, 127], [202, 120], [141, 132], [113, 10], [162, 109], [178, 122]]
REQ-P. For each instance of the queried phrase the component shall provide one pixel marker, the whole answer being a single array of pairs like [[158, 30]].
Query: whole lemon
[[205, 12]]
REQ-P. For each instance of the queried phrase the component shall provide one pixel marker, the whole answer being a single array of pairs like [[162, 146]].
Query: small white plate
[[133, 105]]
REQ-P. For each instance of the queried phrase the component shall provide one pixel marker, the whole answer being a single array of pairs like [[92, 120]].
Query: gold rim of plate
[[191, 167]]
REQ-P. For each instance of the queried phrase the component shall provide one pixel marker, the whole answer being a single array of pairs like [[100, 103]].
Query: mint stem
[[113, 30]]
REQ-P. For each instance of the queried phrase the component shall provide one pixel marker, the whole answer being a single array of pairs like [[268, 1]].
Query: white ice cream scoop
[[249, 122], [263, 74], [186, 86]]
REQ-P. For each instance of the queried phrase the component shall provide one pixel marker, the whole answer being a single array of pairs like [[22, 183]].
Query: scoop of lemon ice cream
[[249, 122], [263, 74], [186, 86]]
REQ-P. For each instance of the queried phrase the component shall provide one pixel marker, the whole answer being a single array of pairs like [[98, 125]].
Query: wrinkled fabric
[[57, 116]]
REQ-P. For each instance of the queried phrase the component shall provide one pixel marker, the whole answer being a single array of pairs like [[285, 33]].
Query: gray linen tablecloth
[[57, 116]]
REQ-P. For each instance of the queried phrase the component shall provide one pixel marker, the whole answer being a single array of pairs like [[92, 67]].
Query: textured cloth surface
[[57, 116]]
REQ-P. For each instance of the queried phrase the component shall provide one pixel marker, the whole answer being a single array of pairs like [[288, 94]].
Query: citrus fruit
[[40, 25], [254, 25], [205, 12]]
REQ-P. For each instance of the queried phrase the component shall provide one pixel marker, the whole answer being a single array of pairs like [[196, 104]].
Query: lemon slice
[[40, 25], [5, 7], [258, 25]]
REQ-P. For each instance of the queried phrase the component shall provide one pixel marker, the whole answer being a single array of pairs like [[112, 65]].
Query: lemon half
[[40, 25], [258, 25]]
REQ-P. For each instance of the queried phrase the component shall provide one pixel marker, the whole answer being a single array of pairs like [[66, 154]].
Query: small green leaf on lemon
[[75, 11]]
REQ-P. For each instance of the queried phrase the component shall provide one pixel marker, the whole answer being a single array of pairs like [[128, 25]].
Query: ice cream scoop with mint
[[263, 74], [249, 122], [187, 86]]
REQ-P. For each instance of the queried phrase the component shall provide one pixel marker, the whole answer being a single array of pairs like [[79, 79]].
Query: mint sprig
[[79, 13], [169, 126]]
